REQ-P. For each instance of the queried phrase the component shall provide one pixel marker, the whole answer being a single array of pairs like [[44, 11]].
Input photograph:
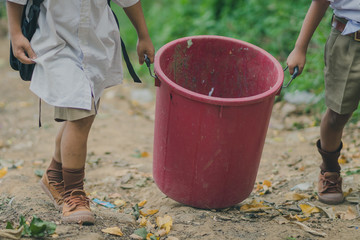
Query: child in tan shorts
[[77, 52], [342, 84]]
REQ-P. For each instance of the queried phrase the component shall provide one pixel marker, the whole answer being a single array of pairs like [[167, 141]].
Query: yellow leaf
[[148, 212], [267, 183], [308, 210], [144, 154], [258, 187], [293, 196], [143, 221], [142, 203], [342, 159], [113, 231], [348, 192], [254, 206], [164, 223], [148, 236], [3, 172], [119, 202]]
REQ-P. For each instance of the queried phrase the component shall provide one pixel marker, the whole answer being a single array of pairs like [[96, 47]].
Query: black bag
[[28, 28]]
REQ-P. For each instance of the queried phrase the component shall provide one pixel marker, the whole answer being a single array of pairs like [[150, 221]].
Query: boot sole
[[81, 217], [48, 193], [326, 201]]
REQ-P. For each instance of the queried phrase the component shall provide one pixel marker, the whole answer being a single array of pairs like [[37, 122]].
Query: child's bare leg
[[331, 129], [54, 171], [57, 153], [73, 149]]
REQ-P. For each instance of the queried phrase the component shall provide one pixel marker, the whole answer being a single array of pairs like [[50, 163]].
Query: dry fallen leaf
[[148, 212], [294, 196], [329, 211], [296, 218], [11, 233], [148, 236], [137, 237], [348, 192], [142, 221], [144, 154], [113, 231], [161, 233], [348, 215], [119, 202], [254, 206], [309, 230], [3, 172], [267, 183], [142, 203], [308, 209], [342, 159], [164, 223]]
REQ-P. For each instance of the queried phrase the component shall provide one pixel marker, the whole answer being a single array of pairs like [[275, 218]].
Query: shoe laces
[[76, 199], [59, 187], [331, 184]]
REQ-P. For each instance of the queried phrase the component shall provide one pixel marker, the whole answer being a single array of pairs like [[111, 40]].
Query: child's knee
[[336, 120]]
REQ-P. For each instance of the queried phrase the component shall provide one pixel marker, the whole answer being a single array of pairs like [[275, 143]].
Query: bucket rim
[[218, 100]]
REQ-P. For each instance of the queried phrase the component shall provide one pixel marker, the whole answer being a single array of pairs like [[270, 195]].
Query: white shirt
[[350, 10], [78, 51]]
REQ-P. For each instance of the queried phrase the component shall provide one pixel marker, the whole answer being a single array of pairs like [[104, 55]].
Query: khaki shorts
[[342, 73], [62, 114]]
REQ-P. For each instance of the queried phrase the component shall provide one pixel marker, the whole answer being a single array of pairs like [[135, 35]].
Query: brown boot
[[330, 181], [329, 188], [53, 190], [76, 209]]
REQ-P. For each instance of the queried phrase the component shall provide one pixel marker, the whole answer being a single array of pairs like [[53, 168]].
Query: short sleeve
[[121, 3], [21, 2]]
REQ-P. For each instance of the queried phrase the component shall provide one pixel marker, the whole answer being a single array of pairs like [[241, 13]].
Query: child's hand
[[145, 46], [296, 58], [22, 49]]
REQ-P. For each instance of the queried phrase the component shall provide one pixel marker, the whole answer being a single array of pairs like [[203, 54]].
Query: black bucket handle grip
[[148, 64], [296, 72]]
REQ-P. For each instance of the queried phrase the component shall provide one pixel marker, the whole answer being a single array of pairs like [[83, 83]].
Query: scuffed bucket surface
[[213, 66], [212, 112]]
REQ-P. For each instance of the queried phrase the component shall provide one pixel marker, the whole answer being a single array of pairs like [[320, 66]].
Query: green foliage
[[2, 9], [273, 26], [37, 228]]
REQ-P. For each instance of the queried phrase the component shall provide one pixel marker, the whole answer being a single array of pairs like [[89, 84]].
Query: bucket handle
[[296, 72], [147, 61]]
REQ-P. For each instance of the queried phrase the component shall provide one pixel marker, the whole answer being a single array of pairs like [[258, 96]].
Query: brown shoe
[[54, 191], [76, 209], [329, 188]]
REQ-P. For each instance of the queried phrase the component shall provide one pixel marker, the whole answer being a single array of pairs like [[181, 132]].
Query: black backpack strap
[[125, 54]]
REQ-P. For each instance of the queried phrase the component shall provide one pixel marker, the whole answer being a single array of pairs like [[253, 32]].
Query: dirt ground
[[119, 169]]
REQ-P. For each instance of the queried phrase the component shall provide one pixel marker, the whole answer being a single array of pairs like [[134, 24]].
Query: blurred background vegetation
[[271, 25]]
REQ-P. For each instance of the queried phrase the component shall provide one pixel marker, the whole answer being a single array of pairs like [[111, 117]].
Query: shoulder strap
[[125, 55]]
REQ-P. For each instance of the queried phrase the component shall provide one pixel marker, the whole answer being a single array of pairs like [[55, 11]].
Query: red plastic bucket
[[213, 105]]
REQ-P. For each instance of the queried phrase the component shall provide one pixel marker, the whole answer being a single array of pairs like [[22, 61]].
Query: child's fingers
[[149, 54], [24, 53], [30, 52], [23, 58]]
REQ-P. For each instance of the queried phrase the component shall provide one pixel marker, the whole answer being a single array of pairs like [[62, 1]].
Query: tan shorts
[[62, 114], [342, 73]]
